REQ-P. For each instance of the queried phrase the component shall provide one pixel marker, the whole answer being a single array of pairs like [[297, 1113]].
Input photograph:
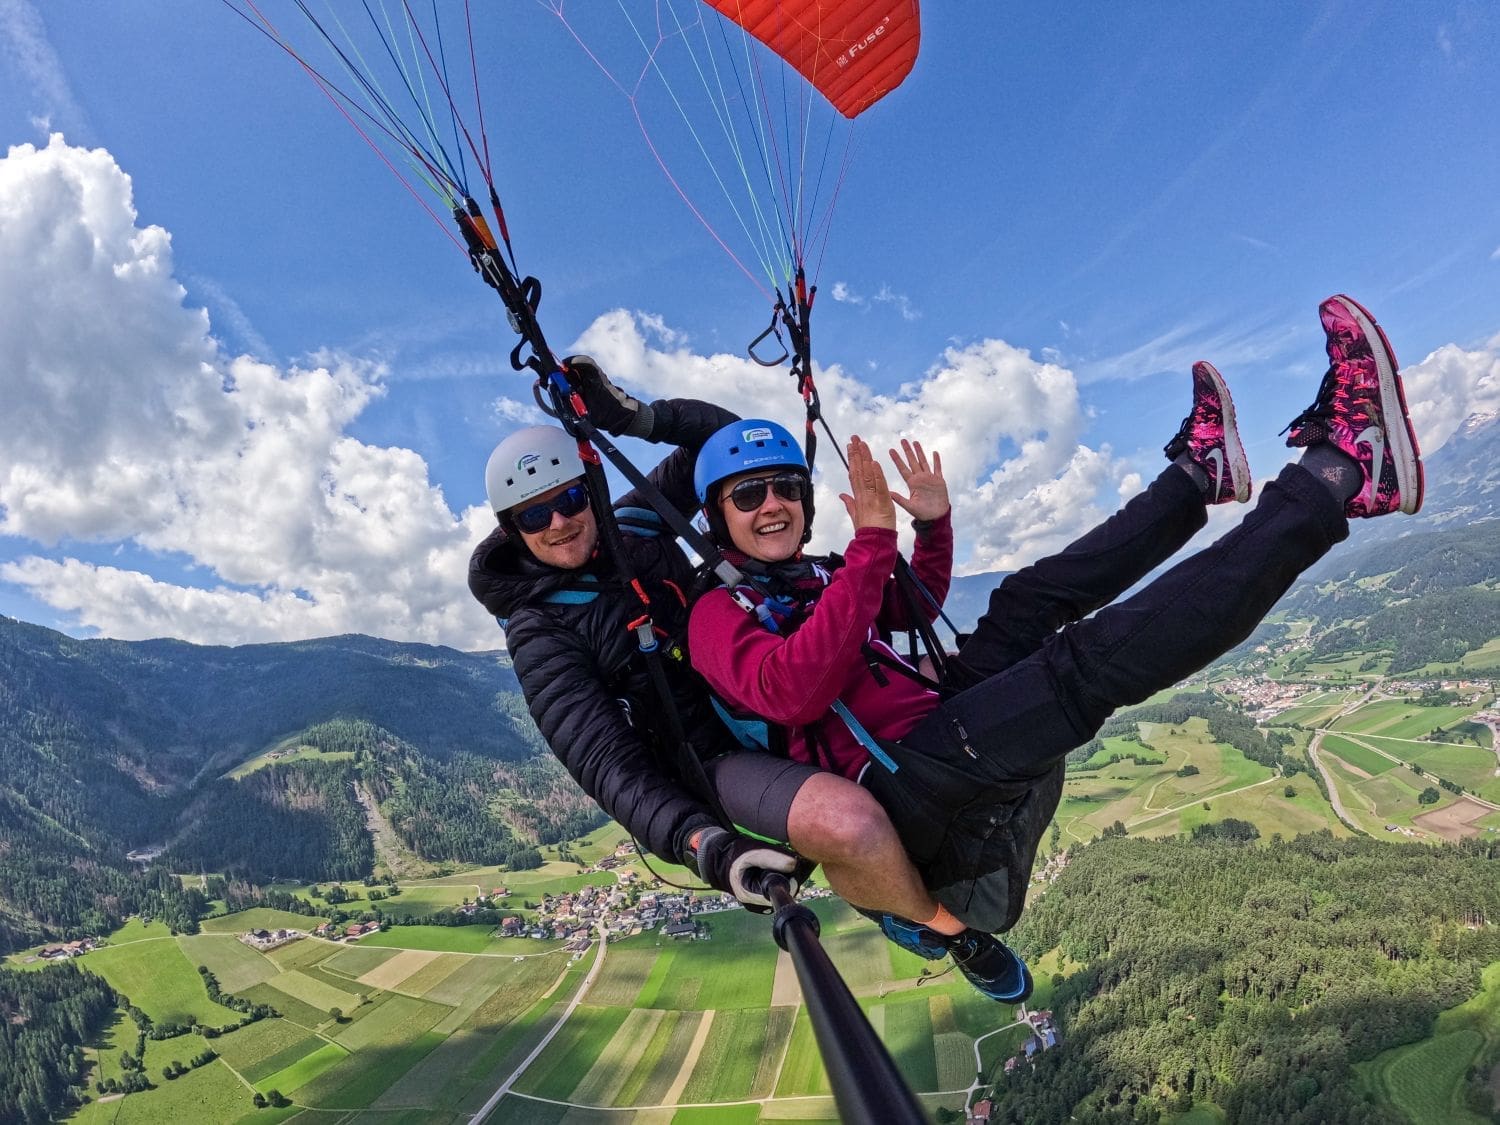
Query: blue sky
[[1037, 234]]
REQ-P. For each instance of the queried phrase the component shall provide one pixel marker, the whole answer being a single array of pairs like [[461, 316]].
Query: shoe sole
[[1234, 451], [1400, 440]]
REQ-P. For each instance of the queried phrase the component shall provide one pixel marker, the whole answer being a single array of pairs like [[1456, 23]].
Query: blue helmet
[[754, 443]]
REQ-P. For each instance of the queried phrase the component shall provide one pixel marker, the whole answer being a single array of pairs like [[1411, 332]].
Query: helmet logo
[[756, 433], [527, 461]]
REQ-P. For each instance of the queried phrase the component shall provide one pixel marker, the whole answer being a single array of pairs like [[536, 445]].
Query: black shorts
[[972, 838], [757, 788]]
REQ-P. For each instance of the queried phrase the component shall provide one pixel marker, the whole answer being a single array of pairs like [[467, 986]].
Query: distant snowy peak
[[1475, 423], [1463, 477]]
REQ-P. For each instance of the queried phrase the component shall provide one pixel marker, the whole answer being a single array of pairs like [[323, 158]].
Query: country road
[[504, 1088], [1330, 783]]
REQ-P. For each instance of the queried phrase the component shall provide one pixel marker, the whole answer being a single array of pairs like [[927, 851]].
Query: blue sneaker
[[910, 936], [991, 966]]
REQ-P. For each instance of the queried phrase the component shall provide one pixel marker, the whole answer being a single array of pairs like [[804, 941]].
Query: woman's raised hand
[[927, 491], [869, 498]]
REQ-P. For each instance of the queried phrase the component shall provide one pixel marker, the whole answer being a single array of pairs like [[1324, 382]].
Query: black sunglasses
[[751, 493], [538, 517]]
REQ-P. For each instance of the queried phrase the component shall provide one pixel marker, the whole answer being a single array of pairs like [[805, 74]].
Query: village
[[621, 911]]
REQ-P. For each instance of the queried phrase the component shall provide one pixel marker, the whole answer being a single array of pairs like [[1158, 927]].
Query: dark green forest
[[1251, 976], [298, 820], [44, 1019]]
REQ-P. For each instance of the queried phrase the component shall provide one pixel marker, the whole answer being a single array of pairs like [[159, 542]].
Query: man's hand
[[725, 860], [927, 491], [612, 409], [869, 498]]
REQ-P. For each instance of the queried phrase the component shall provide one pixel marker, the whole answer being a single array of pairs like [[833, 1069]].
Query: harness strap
[[865, 738]]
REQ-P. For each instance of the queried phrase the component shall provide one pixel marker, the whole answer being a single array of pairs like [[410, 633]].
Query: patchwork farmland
[[426, 1034]]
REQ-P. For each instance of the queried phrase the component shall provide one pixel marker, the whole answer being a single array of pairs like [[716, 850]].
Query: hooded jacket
[[581, 672], [822, 653]]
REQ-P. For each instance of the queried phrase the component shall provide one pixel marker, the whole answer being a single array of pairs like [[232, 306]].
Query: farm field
[[1468, 765], [288, 751], [1389, 798], [454, 939], [1398, 719], [489, 1006], [159, 979], [1354, 753], [1425, 1080], [1153, 800], [233, 962]]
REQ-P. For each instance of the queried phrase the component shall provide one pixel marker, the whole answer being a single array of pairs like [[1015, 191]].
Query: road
[[583, 989]]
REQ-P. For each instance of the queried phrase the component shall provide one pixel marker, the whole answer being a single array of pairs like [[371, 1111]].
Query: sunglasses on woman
[[538, 517], [750, 494]]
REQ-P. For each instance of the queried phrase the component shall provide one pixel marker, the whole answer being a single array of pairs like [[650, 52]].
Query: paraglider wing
[[853, 52]]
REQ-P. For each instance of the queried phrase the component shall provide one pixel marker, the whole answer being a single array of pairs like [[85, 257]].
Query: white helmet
[[527, 464]]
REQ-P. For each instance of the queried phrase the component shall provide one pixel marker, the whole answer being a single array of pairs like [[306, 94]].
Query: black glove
[[726, 861], [612, 409]]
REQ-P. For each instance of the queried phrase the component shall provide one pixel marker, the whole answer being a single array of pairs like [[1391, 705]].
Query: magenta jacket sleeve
[[932, 563], [794, 678]]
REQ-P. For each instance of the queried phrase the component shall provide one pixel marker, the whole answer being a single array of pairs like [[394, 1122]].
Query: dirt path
[[690, 1060], [1210, 797]]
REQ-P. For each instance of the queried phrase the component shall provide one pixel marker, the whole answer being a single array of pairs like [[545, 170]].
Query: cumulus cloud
[[1008, 427], [126, 424], [1448, 386]]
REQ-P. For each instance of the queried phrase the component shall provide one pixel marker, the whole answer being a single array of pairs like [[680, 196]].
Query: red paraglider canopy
[[853, 52]]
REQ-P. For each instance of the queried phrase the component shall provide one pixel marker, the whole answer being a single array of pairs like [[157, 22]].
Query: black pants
[[980, 776]]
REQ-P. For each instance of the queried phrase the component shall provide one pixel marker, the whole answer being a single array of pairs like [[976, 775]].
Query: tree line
[[45, 1018], [1251, 976]]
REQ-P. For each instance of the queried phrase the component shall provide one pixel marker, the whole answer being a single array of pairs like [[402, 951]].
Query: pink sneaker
[[1211, 440], [1361, 411]]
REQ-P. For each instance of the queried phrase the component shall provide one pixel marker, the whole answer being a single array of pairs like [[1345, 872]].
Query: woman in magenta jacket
[[925, 802]]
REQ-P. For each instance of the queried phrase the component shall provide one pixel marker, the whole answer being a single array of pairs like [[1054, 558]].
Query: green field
[[1398, 719], [1425, 1080], [288, 751], [260, 918], [399, 1018], [456, 939], [1470, 766], [234, 963], [312, 991], [1360, 757], [414, 900], [572, 1053], [254, 1044], [209, 1093], [1153, 800], [159, 979], [304, 1070]]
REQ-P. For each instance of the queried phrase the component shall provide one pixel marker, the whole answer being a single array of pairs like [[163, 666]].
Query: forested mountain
[[107, 746]]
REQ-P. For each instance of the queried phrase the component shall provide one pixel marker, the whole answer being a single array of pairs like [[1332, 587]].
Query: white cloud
[[1178, 347], [126, 424], [1007, 426], [1448, 386], [23, 39], [841, 292]]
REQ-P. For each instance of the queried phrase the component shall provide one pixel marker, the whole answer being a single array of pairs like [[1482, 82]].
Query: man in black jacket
[[566, 618]]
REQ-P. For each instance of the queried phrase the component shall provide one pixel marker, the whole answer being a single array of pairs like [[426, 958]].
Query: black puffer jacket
[[580, 669]]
